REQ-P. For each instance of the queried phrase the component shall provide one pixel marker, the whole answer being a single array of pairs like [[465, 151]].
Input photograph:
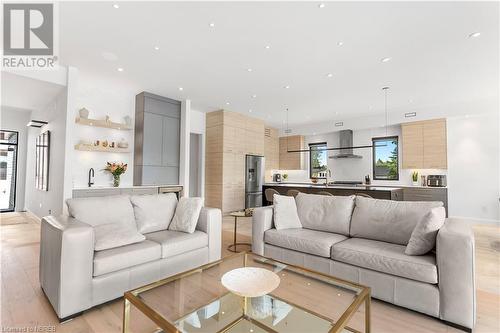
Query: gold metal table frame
[[132, 298]]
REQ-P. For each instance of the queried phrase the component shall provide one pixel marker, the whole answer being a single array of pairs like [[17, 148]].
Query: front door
[[8, 170]]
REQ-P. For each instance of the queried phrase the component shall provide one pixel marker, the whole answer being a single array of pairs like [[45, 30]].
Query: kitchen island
[[377, 192]]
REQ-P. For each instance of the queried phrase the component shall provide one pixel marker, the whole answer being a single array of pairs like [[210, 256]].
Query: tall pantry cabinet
[[229, 137]]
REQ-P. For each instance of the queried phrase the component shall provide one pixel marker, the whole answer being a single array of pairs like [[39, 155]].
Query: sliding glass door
[[8, 170]]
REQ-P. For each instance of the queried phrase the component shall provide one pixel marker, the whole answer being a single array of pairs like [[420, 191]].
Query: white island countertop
[[108, 187]]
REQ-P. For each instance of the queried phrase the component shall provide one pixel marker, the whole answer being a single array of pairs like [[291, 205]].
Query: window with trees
[[385, 158], [318, 160]]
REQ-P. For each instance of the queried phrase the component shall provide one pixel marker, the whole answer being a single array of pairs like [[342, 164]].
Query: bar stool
[[363, 195], [324, 193], [292, 193], [269, 194]]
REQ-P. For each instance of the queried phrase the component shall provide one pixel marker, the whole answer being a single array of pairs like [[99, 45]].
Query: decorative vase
[[415, 183], [116, 180]]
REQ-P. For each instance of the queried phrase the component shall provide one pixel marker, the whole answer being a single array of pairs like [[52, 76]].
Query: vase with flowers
[[116, 169], [414, 178]]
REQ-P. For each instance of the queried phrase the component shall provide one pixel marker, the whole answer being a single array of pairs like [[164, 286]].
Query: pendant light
[[385, 90]]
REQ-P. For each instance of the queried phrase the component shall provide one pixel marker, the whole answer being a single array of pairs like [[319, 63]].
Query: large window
[[318, 158], [385, 158]]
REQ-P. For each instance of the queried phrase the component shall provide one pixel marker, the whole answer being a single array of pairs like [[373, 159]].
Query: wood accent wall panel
[[291, 161], [425, 145], [271, 151], [413, 146]]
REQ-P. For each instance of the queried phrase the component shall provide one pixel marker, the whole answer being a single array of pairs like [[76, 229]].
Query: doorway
[[8, 170], [195, 165]]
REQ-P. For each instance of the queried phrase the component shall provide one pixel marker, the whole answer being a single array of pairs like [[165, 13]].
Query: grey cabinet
[[427, 194], [157, 140]]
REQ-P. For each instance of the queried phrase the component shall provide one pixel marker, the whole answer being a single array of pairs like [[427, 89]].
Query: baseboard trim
[[460, 327]]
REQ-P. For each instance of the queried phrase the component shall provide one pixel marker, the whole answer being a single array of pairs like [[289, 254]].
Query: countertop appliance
[[277, 177], [436, 180], [254, 179]]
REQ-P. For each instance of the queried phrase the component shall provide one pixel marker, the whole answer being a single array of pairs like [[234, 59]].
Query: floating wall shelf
[[101, 149], [102, 123]]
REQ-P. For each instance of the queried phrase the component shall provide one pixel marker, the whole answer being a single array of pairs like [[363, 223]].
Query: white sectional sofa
[[363, 240], [76, 277]]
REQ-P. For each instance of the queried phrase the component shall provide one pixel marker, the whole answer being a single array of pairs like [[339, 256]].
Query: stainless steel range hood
[[345, 143]]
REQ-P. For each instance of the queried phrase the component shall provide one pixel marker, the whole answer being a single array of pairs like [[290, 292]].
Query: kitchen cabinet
[[229, 137], [424, 145], [287, 160], [157, 140], [271, 151], [426, 194]]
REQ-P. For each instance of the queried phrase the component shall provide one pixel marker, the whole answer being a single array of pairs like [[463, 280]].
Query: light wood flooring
[[23, 304]]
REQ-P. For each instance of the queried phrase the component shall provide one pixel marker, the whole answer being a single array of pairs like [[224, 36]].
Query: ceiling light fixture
[[181, 89], [116, 6], [250, 110], [321, 5], [475, 34], [329, 75], [212, 25], [385, 90], [340, 43], [36, 123], [119, 69], [249, 69], [157, 48], [254, 96], [227, 103], [268, 47], [286, 87], [387, 59]]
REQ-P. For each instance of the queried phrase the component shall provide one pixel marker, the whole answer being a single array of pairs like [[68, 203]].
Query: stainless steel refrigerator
[[254, 180]]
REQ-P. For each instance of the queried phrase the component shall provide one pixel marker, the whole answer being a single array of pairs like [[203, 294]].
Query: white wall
[[39, 202], [473, 164], [15, 120], [102, 96]]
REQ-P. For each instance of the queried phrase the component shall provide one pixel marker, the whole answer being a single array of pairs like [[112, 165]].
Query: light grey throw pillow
[[186, 215], [423, 237], [285, 213], [111, 235], [153, 212]]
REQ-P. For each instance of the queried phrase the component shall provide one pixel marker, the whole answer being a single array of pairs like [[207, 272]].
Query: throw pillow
[[186, 215], [153, 212], [285, 213], [111, 235], [423, 237]]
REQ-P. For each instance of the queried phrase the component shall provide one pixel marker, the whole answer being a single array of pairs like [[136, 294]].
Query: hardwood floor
[[24, 305]]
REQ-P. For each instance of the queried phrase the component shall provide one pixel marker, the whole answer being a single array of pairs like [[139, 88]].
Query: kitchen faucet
[[328, 176], [91, 174]]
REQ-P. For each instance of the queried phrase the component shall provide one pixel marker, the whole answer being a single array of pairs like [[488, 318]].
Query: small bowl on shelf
[[314, 180]]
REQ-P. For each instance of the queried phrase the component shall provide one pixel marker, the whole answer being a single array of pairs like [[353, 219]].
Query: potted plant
[[116, 169], [285, 176], [414, 178]]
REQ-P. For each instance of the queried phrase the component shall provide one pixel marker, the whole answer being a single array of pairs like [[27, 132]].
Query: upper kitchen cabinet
[[425, 145], [291, 161], [157, 140], [271, 151]]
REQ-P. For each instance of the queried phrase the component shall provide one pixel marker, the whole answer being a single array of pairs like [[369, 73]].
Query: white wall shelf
[[102, 123], [83, 147]]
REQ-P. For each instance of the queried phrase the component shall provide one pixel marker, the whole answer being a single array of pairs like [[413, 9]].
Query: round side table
[[232, 247]]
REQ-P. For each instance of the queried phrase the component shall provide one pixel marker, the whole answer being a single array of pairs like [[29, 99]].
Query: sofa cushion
[[386, 258], [423, 237], [119, 258], [186, 215], [304, 240], [325, 212], [153, 212], [388, 220], [108, 236], [102, 210], [176, 242], [285, 212]]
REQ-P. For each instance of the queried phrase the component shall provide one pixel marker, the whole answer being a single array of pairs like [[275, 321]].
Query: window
[[317, 160], [385, 158]]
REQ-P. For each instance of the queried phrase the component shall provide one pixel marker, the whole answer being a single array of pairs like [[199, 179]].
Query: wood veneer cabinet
[[229, 137], [271, 151], [425, 144], [291, 161]]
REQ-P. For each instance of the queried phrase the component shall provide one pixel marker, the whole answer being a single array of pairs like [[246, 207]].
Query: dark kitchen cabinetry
[[426, 194]]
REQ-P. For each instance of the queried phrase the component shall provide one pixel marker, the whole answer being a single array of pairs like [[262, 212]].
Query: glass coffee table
[[196, 301]]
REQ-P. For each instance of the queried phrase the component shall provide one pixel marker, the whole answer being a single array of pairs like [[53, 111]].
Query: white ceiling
[[433, 60], [24, 93]]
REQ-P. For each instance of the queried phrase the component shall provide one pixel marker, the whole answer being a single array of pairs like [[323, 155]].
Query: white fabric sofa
[[75, 277], [364, 241]]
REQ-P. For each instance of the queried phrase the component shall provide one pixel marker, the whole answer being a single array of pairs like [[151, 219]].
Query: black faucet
[[91, 174]]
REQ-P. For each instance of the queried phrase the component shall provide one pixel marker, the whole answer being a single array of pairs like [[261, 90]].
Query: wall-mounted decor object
[[84, 113], [42, 160]]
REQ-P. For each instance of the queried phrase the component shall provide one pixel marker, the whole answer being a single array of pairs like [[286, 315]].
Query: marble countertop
[[107, 187], [358, 185]]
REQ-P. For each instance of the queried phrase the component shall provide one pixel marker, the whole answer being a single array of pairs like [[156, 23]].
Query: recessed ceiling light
[[336, 112], [370, 107], [119, 69], [329, 75], [116, 6], [286, 87], [254, 96], [321, 5], [211, 25], [340, 43], [250, 110], [227, 103], [157, 48], [475, 34], [386, 59], [249, 69], [268, 47], [181, 89], [410, 101]]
